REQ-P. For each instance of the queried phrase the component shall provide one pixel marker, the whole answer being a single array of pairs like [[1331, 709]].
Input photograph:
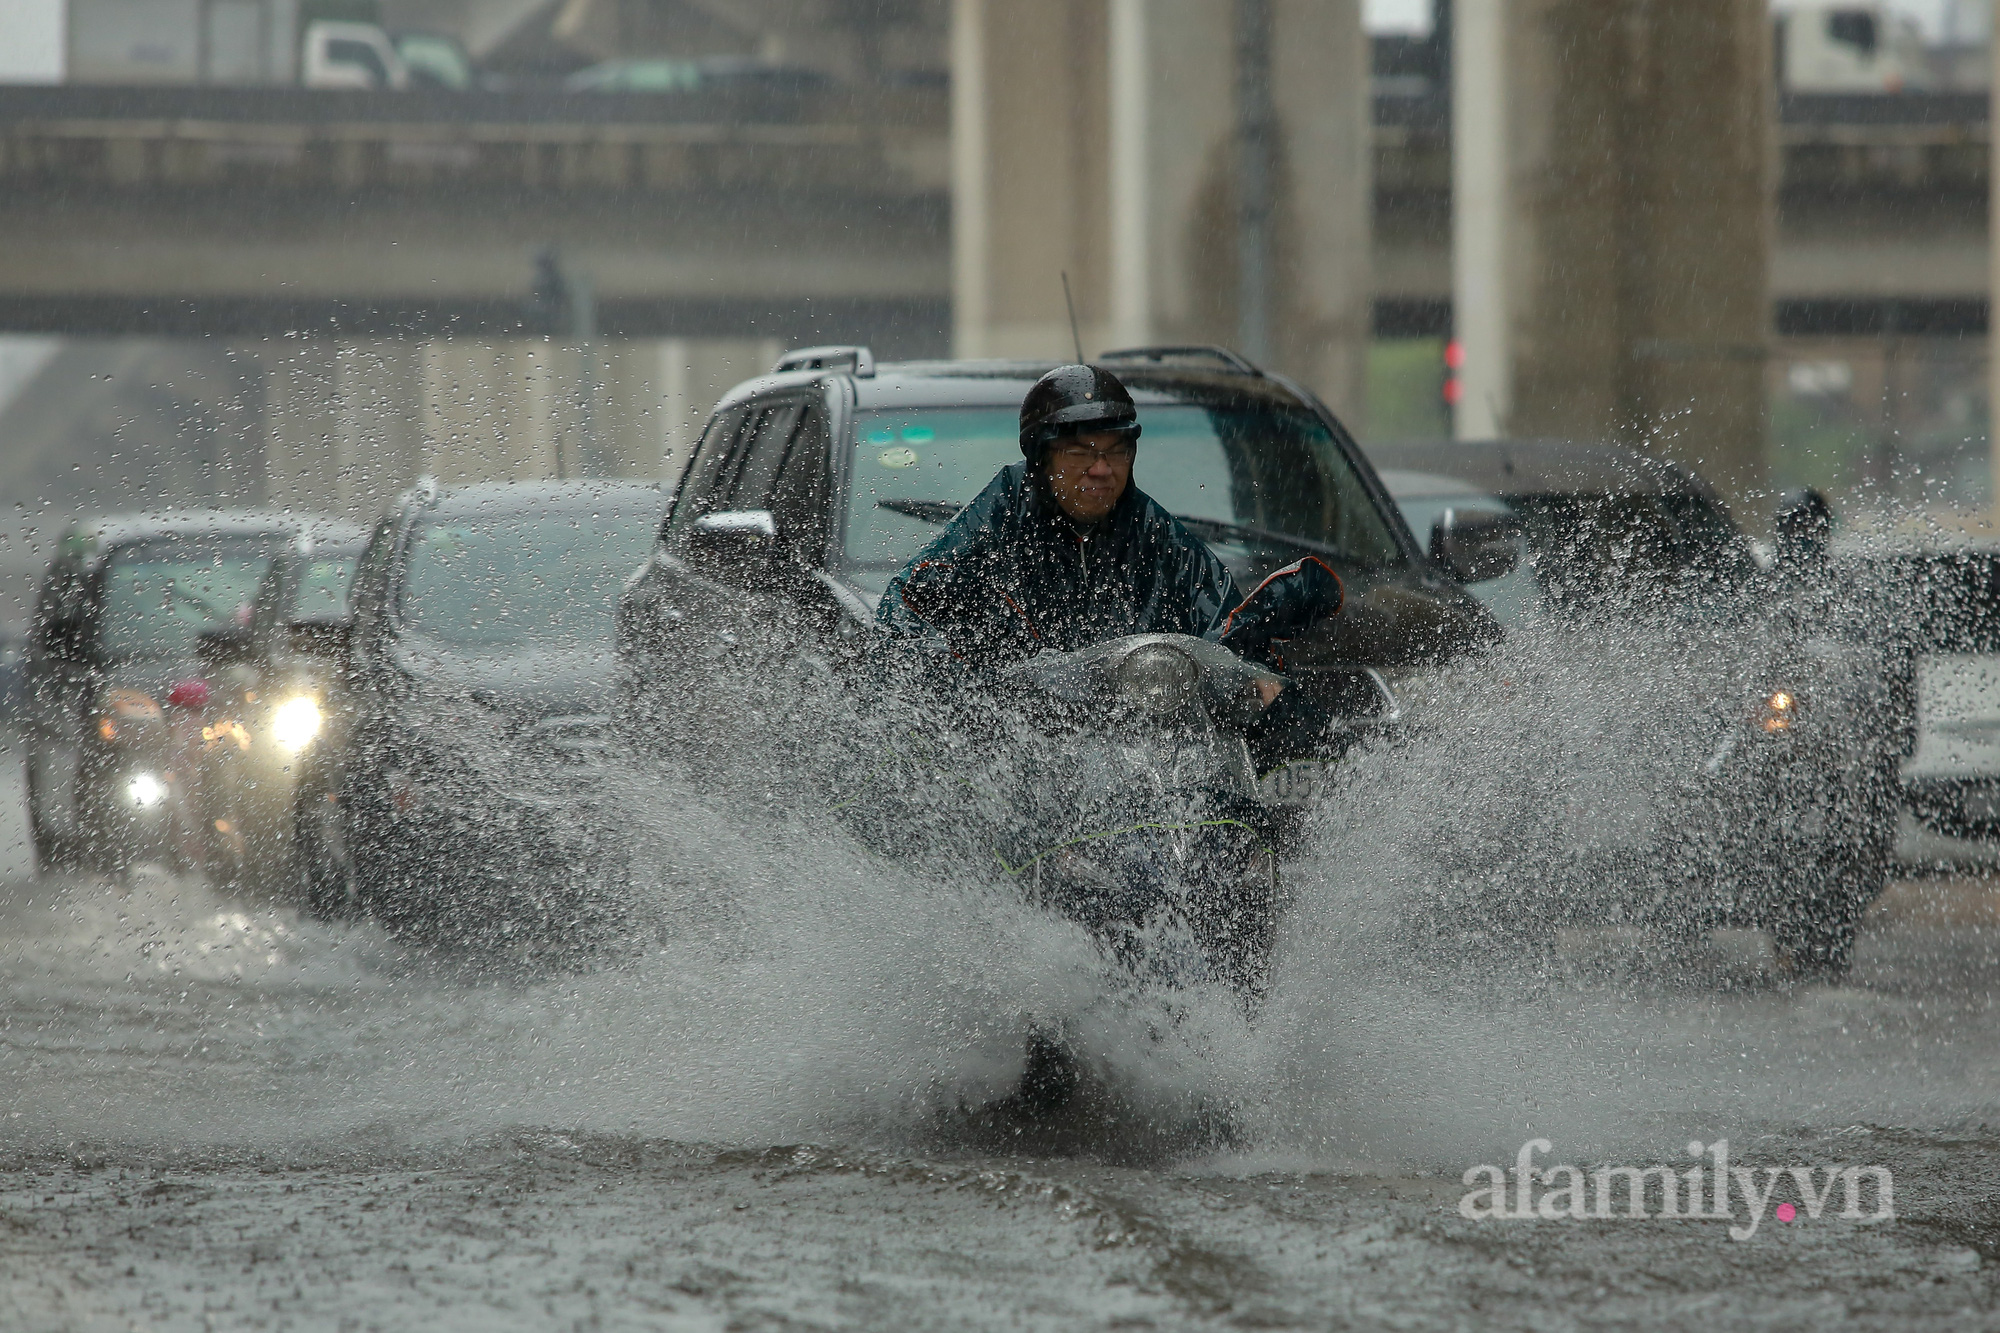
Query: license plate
[[1301, 783]]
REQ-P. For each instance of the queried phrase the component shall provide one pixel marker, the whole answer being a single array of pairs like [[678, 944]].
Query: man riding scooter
[[1061, 554], [1061, 550]]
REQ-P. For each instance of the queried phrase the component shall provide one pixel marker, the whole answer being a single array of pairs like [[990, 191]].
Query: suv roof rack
[[858, 360], [1183, 352]]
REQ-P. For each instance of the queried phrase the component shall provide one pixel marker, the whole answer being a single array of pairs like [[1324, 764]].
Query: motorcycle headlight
[[145, 790], [1777, 712], [296, 721], [1159, 679]]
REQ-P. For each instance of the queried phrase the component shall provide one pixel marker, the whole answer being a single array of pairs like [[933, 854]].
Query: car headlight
[[1159, 679], [1777, 711], [145, 790], [229, 729], [295, 722]]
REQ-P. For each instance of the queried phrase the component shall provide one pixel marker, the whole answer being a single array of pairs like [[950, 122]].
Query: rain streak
[[901, 665]]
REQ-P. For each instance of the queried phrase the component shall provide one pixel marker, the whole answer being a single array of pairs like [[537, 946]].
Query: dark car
[[270, 685], [812, 486], [1600, 524], [1931, 598], [116, 680], [1787, 821], [475, 702]]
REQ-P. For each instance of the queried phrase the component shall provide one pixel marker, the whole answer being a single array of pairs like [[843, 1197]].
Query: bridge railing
[[885, 141]]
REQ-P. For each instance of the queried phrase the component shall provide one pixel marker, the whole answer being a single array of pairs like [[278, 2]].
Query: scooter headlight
[[145, 790], [1159, 679], [295, 722], [1777, 712]]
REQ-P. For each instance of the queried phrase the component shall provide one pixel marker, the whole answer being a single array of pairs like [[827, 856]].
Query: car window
[[799, 498], [57, 606], [435, 60], [911, 472], [701, 482], [346, 51], [159, 595], [546, 579], [1241, 470], [755, 466]]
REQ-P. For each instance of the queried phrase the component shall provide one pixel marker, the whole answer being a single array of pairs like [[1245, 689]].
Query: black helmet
[[1073, 400]]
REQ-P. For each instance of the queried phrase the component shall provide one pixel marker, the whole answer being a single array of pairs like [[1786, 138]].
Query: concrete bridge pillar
[[352, 423], [688, 376], [1615, 213], [298, 422], [343, 430], [1101, 138], [497, 410], [536, 408]]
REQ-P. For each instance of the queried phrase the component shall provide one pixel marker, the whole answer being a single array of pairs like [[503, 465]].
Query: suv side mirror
[[1476, 544], [734, 536]]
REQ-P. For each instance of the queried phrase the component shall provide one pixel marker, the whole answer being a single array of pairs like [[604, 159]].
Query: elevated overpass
[[251, 212], [259, 212], [292, 296], [349, 277], [1881, 215]]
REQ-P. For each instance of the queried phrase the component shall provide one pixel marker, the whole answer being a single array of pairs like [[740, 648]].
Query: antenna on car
[[1075, 337]]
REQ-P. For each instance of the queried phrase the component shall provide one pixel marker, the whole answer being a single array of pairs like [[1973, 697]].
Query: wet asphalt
[[216, 1115]]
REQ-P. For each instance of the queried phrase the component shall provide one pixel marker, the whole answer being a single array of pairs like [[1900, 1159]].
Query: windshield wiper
[[1215, 527], [927, 511]]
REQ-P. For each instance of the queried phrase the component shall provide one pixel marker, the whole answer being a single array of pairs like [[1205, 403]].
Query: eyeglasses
[[1076, 451]]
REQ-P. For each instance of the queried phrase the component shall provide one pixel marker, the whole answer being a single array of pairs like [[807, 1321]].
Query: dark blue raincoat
[[1011, 576]]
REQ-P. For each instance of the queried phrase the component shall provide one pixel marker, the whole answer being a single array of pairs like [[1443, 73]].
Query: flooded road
[[218, 1115]]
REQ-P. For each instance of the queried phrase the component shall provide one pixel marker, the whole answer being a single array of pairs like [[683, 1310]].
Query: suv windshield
[[159, 595], [548, 579], [1261, 476]]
